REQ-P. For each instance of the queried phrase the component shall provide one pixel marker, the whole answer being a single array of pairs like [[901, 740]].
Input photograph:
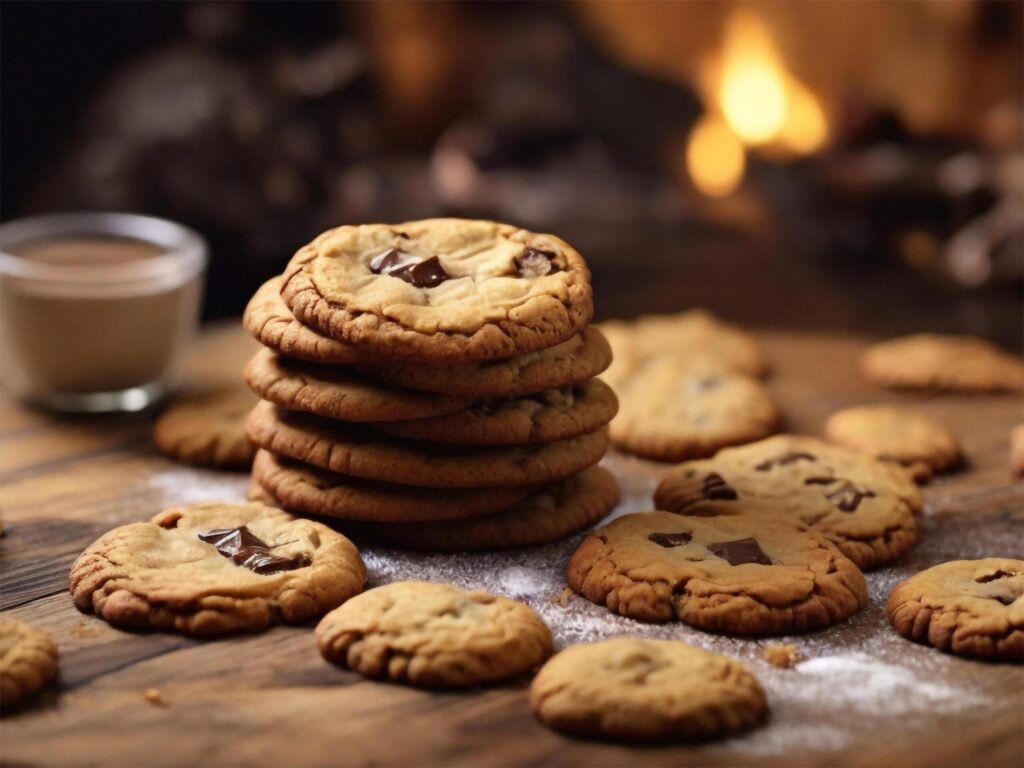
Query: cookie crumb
[[781, 655], [155, 697], [563, 598]]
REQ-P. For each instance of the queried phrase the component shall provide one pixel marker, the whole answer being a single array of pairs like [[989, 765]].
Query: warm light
[[714, 157], [752, 92], [804, 130]]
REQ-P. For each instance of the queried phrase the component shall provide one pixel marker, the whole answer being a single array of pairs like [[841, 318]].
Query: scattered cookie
[[547, 417], [572, 362], [968, 607], [308, 490], [895, 434], [670, 413], [434, 636], [551, 514], [207, 429], [1017, 450], [646, 690], [28, 660], [931, 361], [350, 450], [738, 574], [865, 506], [216, 569], [334, 393], [440, 289], [782, 656]]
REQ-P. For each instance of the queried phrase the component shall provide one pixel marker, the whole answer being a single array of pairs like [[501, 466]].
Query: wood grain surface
[[270, 699]]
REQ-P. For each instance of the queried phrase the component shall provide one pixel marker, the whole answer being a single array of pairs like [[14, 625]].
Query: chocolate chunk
[[787, 458], [994, 576], [427, 274], [740, 551], [533, 262], [390, 261], [670, 539], [244, 548], [847, 497], [826, 480], [1007, 599], [716, 489]]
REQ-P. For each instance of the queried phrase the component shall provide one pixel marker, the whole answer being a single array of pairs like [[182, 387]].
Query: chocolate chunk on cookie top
[[968, 607], [434, 636], [440, 289], [28, 660], [739, 574], [645, 690], [216, 569]]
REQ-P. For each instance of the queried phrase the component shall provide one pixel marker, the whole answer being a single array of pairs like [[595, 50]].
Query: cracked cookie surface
[[434, 636], [865, 506], [971, 608], [737, 574], [440, 289], [207, 429], [933, 361], [646, 690], [28, 660], [216, 569]]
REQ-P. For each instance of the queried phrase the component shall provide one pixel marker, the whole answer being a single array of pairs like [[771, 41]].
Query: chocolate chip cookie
[[434, 636], [440, 289], [350, 450], [865, 506], [896, 434], [646, 690], [931, 361], [968, 607], [207, 429], [738, 574], [216, 569], [28, 660]]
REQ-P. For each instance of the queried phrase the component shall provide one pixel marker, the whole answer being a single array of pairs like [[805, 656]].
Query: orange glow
[[752, 86], [714, 157]]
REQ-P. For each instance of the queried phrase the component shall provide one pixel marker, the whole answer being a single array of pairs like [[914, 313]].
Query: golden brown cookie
[[968, 607], [646, 690], [216, 569], [434, 636], [557, 511], [207, 429], [931, 361], [572, 362], [308, 490], [865, 506], [28, 660], [440, 289], [547, 417], [669, 413], [349, 449], [335, 393], [896, 434], [738, 574]]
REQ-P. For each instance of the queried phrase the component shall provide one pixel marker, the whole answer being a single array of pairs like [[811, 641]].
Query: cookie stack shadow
[[428, 455]]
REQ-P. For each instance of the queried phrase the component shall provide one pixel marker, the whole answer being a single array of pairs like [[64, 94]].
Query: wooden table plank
[[270, 699]]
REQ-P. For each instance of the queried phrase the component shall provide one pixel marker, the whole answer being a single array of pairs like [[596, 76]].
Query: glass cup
[[96, 309]]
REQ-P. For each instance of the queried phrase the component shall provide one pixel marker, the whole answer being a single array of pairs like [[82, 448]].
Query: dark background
[[261, 124]]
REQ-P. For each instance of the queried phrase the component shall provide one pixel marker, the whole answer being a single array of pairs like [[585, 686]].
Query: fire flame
[[754, 101]]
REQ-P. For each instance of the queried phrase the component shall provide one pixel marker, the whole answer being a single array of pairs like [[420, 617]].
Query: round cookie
[[207, 429], [308, 490], [968, 607], [668, 412], [572, 362], [352, 450], [547, 417], [865, 506], [215, 569], [738, 574], [334, 393], [28, 660], [646, 690], [440, 289], [554, 513], [272, 324], [895, 434], [434, 636], [932, 361]]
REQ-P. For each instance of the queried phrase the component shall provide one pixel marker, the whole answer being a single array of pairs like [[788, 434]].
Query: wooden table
[[864, 697]]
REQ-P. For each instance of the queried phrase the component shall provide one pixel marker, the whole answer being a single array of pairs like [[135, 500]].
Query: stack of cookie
[[432, 384]]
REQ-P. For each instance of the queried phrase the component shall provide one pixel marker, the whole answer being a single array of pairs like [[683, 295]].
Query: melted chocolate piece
[[390, 261], [716, 489], [994, 576], [242, 547], [847, 497], [533, 262], [787, 458], [424, 273], [669, 540], [740, 551], [1006, 599]]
